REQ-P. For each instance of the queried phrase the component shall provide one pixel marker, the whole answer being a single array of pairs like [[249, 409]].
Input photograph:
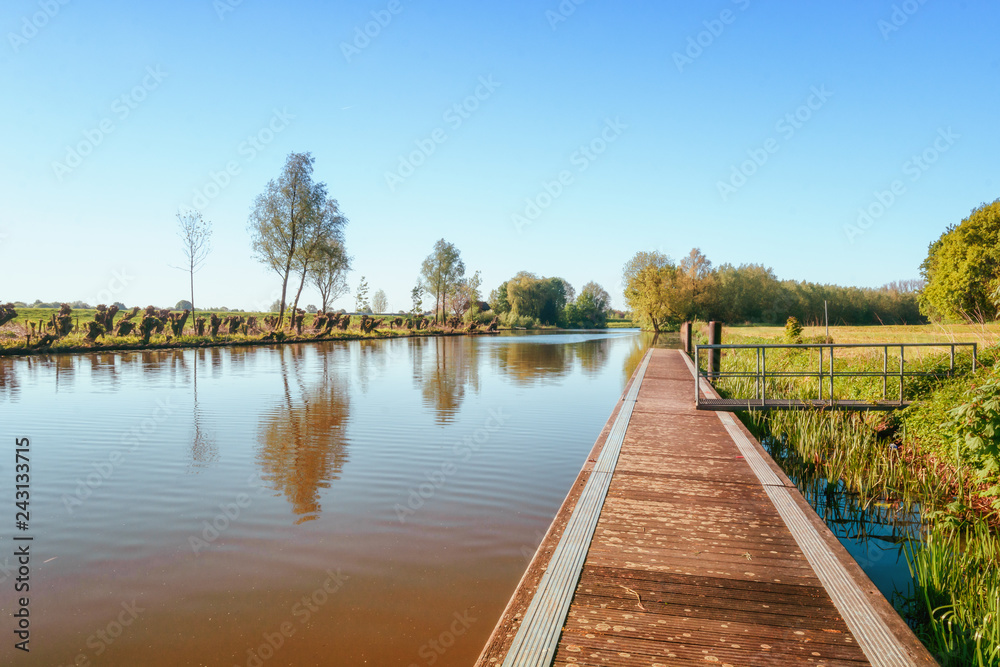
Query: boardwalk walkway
[[689, 546]]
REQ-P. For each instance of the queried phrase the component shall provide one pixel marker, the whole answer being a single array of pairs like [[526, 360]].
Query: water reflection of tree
[[204, 450], [593, 354], [530, 362], [443, 367], [302, 440], [10, 383]]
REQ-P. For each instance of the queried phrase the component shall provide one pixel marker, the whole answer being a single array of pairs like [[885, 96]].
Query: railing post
[[763, 375], [831, 378], [974, 350], [686, 337], [714, 338], [820, 373], [697, 380], [901, 374], [951, 367], [885, 373]]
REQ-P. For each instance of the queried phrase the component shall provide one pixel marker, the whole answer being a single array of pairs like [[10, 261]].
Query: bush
[[513, 321], [793, 330]]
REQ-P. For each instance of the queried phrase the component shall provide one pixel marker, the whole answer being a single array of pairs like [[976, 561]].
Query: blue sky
[[754, 130]]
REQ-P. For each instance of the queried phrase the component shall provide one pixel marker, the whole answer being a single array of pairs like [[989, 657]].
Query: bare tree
[[380, 302], [196, 234]]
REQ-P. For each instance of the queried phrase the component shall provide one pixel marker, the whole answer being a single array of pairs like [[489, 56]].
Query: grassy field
[[985, 335]]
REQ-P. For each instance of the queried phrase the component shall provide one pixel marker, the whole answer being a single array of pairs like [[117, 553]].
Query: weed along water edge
[[911, 493], [341, 503]]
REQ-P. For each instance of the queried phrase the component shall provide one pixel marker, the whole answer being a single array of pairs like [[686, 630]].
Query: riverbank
[[196, 342]]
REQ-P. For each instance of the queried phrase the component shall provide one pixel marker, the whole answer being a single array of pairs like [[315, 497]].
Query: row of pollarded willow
[[106, 328]]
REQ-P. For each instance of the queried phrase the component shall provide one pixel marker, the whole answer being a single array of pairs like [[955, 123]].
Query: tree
[[962, 268], [598, 295], [183, 305], [380, 302], [498, 299], [329, 272], [322, 235], [695, 282], [291, 220], [361, 297], [196, 235], [465, 294], [441, 271], [650, 289], [417, 295]]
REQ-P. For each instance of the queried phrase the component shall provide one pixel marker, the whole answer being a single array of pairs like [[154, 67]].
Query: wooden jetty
[[682, 543]]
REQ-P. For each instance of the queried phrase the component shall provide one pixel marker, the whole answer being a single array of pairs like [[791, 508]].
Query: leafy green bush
[[976, 431], [793, 330]]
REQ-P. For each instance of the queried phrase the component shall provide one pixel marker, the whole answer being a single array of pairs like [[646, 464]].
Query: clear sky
[[754, 130]]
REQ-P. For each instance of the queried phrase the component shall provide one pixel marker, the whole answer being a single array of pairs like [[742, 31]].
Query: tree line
[[662, 293]]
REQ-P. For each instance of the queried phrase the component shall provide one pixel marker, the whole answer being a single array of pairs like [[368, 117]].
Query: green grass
[[907, 458]]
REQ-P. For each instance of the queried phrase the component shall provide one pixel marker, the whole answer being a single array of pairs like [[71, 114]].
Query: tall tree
[[361, 297], [284, 218], [196, 235], [498, 299], [441, 271], [323, 229], [329, 273], [650, 288], [962, 268], [380, 302], [417, 295]]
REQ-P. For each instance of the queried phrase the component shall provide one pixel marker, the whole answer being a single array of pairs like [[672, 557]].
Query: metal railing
[[824, 373]]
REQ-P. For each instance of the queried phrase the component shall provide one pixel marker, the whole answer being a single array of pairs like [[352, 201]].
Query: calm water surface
[[366, 502]]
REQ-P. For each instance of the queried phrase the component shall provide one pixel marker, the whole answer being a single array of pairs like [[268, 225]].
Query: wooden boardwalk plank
[[691, 559]]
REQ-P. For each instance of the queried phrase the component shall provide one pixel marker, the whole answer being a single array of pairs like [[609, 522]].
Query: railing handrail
[[800, 345], [760, 376]]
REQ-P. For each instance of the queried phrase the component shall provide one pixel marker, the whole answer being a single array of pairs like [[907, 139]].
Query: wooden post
[[686, 336], [714, 338]]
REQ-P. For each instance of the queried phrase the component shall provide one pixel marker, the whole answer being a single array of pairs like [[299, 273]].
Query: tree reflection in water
[[302, 440], [443, 367]]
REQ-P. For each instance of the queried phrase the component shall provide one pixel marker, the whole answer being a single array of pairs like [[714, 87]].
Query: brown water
[[373, 502]]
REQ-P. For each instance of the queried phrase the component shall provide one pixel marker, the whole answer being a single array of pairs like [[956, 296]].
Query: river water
[[355, 503]]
